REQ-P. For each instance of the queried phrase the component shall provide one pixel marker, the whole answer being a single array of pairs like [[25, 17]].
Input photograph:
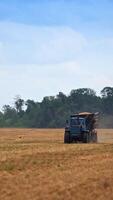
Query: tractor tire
[[88, 138], [67, 138], [85, 138]]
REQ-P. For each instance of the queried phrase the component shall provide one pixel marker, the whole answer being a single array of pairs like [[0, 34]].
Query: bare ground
[[36, 165]]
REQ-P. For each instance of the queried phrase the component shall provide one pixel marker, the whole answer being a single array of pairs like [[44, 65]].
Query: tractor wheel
[[85, 138], [67, 137], [89, 137]]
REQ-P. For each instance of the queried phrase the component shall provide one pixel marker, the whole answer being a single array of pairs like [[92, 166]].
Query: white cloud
[[35, 82], [40, 61], [34, 45]]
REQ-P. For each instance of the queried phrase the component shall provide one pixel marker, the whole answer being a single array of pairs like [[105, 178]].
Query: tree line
[[53, 111]]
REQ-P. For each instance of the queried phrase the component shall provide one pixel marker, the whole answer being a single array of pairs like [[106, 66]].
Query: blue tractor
[[81, 128]]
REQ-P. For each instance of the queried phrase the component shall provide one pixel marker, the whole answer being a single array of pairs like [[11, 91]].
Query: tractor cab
[[77, 124]]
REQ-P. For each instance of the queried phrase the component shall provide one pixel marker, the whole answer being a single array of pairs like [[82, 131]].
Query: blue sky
[[47, 46]]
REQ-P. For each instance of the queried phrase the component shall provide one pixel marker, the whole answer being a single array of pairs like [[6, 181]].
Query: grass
[[35, 164]]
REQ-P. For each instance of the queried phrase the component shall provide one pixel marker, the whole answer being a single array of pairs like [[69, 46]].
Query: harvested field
[[36, 165]]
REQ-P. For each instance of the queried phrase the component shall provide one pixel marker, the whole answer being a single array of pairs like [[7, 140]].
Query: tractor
[[81, 128]]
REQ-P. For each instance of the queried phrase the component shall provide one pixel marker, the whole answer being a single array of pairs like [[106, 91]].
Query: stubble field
[[36, 165]]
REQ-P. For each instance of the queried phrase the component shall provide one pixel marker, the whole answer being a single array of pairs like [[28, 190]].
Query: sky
[[48, 46]]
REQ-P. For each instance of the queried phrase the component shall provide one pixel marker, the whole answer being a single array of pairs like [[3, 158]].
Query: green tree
[[9, 115], [107, 100], [19, 103]]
